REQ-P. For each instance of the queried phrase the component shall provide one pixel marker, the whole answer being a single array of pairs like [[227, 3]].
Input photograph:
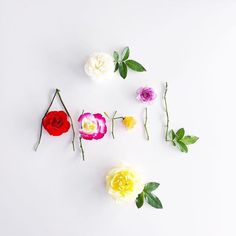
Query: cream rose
[[100, 66], [124, 184]]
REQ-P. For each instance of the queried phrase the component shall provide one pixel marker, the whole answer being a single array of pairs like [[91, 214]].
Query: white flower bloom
[[124, 184], [100, 66]]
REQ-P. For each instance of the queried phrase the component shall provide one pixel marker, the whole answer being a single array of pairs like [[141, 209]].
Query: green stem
[[106, 115], [67, 112], [113, 118], [113, 125], [81, 147], [167, 114], [120, 117], [145, 124], [41, 125], [81, 143]]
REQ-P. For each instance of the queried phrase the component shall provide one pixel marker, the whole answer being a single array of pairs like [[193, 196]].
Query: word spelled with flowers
[[91, 126], [125, 184], [56, 122], [178, 138], [128, 121], [146, 95]]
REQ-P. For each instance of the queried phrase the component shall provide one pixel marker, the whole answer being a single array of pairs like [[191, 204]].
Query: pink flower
[[146, 94], [92, 126]]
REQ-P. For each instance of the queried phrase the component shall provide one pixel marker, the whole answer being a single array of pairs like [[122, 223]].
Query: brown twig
[[67, 112], [145, 124], [41, 125], [81, 143], [167, 114]]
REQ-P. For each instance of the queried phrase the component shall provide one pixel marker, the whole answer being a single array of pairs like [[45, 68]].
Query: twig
[[120, 117], [106, 115], [81, 147], [81, 143], [167, 114], [113, 118], [41, 125], [67, 112], [113, 124], [145, 124]]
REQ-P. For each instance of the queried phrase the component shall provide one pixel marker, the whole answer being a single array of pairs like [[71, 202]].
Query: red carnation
[[56, 123]]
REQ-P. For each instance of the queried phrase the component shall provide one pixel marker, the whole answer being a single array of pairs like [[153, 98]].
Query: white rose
[[124, 184], [100, 66]]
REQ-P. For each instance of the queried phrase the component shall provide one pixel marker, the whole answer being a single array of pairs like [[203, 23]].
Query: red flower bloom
[[56, 123]]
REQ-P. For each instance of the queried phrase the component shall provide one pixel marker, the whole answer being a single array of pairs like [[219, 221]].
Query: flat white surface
[[190, 44]]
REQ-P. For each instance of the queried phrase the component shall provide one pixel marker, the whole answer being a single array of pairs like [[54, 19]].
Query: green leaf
[[134, 65], [181, 146], [151, 186], [125, 54], [116, 56], [116, 66], [189, 139], [123, 70], [140, 200], [153, 200], [172, 134], [180, 133]]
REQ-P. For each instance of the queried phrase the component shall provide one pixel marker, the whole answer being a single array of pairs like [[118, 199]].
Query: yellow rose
[[129, 122], [124, 184]]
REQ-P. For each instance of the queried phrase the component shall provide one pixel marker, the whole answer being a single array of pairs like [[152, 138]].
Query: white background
[[190, 44]]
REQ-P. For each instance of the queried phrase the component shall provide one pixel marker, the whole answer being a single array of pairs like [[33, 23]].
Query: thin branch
[[120, 117], [166, 111], [41, 125], [113, 124], [67, 112], [106, 115], [145, 124], [81, 147], [81, 143], [113, 118]]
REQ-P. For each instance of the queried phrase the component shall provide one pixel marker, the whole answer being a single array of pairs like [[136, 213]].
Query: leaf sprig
[[177, 138], [122, 63], [181, 141], [148, 196]]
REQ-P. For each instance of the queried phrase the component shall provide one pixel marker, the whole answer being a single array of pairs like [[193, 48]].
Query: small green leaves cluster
[[181, 141], [148, 196], [122, 63]]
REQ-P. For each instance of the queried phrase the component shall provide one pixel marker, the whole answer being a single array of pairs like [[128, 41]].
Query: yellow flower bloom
[[129, 122], [89, 126], [124, 184]]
